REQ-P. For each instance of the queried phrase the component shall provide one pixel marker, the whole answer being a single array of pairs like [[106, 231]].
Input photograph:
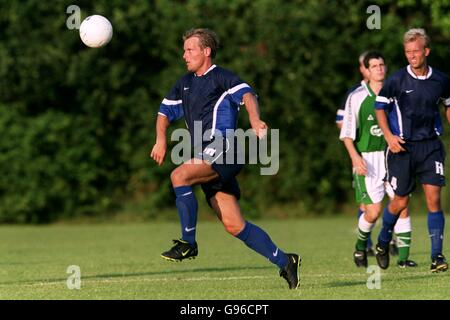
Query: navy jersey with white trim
[[213, 98], [412, 103]]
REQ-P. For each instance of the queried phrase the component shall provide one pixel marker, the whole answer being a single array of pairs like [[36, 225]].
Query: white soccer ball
[[96, 31]]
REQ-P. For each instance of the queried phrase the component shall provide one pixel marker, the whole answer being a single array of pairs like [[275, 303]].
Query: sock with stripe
[[187, 211], [364, 230], [436, 224], [369, 240], [258, 240], [402, 230]]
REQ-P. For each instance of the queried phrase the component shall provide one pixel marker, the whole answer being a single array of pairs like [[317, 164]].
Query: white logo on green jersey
[[376, 131]]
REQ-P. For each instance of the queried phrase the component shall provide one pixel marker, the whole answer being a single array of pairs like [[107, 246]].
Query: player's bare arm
[[158, 152], [358, 163], [394, 142], [448, 114], [251, 104]]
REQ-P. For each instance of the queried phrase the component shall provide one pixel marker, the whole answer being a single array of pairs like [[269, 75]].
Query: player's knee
[[232, 228], [434, 203], [397, 205], [178, 178]]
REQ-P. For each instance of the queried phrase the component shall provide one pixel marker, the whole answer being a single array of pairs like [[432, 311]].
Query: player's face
[[194, 56], [416, 53], [376, 70]]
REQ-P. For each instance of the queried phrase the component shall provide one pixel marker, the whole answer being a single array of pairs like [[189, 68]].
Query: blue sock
[[360, 212], [187, 211], [258, 240], [436, 223], [385, 235], [369, 240]]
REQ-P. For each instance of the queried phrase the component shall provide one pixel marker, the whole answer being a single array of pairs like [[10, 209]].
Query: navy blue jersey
[[412, 103], [213, 98]]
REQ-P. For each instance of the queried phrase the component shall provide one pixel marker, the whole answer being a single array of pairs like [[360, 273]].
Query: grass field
[[123, 262]]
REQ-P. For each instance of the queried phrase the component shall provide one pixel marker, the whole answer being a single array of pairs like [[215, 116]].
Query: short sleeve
[[172, 105]]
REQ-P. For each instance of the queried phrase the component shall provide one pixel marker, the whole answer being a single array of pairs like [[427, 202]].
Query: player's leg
[[369, 190], [431, 155], [390, 216], [436, 225], [402, 230], [393, 247], [400, 178], [369, 250], [228, 211], [365, 225], [183, 178]]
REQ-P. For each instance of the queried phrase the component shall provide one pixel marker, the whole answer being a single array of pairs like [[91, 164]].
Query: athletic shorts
[[225, 156], [371, 188], [423, 160]]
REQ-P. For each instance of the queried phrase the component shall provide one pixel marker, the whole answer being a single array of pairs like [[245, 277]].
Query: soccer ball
[[96, 31]]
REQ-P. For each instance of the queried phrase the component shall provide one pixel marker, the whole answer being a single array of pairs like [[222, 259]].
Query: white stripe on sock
[[363, 225], [403, 225]]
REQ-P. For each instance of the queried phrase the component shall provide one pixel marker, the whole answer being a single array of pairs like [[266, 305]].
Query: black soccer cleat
[[407, 264], [439, 264], [360, 258], [382, 256], [291, 271], [393, 249], [180, 251]]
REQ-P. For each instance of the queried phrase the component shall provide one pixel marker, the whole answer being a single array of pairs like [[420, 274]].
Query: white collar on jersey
[[210, 68], [430, 72], [365, 86]]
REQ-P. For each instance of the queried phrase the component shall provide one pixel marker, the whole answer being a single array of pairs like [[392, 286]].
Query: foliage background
[[77, 124]]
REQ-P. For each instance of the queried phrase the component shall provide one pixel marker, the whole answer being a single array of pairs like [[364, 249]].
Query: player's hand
[[259, 128], [159, 152], [395, 143], [359, 166]]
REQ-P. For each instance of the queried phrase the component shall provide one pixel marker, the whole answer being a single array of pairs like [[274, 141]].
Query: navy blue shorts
[[423, 160], [224, 155]]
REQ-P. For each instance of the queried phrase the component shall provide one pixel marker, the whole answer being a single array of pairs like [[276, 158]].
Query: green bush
[[77, 124]]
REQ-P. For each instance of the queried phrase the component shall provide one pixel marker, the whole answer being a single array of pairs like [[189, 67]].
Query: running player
[[211, 96]]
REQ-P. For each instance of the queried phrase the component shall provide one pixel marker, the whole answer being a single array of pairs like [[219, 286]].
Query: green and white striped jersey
[[360, 123]]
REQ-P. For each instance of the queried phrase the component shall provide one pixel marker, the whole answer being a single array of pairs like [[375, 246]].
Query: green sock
[[403, 244], [361, 243]]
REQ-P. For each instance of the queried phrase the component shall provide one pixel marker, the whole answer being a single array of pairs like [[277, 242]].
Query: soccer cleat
[[382, 256], [407, 264], [360, 258], [439, 264], [291, 271], [180, 251], [393, 249], [370, 252]]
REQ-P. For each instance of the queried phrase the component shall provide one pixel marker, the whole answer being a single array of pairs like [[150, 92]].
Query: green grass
[[123, 262]]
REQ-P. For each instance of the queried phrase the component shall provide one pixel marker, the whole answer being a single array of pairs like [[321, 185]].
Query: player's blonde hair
[[207, 37], [416, 33]]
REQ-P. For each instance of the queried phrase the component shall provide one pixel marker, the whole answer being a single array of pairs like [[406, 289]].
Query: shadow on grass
[[391, 279], [137, 274]]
